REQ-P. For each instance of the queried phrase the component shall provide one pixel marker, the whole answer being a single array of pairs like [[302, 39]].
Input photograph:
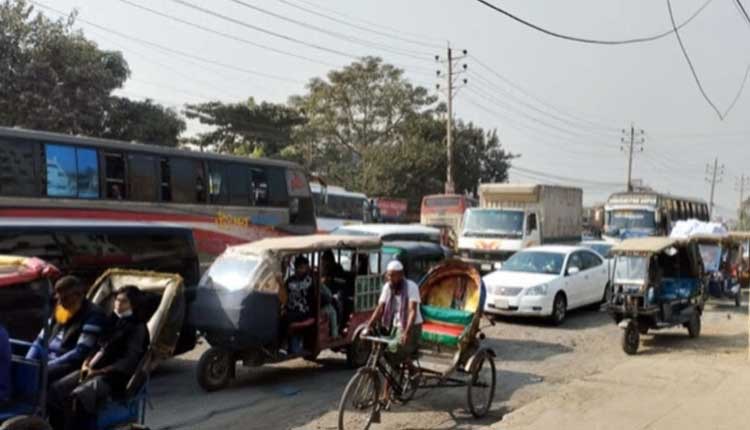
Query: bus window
[[143, 178], [260, 186], [71, 172], [17, 171], [114, 176], [240, 186], [218, 188], [278, 195], [166, 186], [183, 174]]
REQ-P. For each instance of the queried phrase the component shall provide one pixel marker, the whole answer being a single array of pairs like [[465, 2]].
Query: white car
[[547, 281]]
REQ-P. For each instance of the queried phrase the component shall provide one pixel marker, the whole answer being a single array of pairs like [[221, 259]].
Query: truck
[[511, 217]]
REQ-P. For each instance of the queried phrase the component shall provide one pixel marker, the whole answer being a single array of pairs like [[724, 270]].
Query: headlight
[[539, 290]]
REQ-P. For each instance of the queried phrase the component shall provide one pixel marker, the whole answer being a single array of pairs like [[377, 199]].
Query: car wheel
[[559, 309]]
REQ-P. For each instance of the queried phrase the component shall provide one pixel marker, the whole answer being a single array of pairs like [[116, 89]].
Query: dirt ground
[[534, 361]]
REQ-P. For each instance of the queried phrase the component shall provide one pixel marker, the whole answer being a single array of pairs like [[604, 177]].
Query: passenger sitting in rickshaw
[[398, 312], [328, 304], [75, 399], [299, 301], [75, 328], [329, 267], [5, 358]]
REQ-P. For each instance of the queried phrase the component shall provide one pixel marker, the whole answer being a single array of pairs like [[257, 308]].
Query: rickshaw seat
[[118, 412], [444, 326], [676, 288], [24, 379], [301, 325]]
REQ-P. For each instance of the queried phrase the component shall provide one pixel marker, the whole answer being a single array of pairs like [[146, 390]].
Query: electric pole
[[714, 175], [742, 182], [450, 93], [632, 139]]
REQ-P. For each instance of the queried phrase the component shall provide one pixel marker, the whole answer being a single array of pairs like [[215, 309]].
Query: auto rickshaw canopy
[[304, 244], [16, 270], [645, 245]]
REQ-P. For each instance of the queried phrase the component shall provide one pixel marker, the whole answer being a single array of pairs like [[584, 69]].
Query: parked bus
[[445, 210], [223, 199], [335, 206], [648, 213], [389, 210]]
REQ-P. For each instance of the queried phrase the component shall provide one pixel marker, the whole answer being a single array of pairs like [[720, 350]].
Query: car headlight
[[539, 290]]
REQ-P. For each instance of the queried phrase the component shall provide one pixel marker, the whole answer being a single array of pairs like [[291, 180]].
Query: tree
[[52, 78], [142, 121], [248, 128]]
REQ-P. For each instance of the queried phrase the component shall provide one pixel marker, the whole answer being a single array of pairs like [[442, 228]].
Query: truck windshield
[[493, 223], [630, 269], [229, 273], [630, 219], [549, 263]]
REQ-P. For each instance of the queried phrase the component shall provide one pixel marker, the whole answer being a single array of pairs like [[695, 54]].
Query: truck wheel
[[215, 369], [631, 338], [694, 326], [559, 309], [25, 423]]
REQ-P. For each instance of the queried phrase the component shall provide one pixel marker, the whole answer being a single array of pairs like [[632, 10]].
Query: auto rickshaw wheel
[[738, 299], [694, 326], [358, 352], [25, 423], [215, 369], [631, 338]]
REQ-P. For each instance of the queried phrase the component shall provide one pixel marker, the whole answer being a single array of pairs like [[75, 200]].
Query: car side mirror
[[573, 270]]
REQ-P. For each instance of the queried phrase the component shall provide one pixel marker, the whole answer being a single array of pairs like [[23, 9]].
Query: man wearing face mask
[[106, 372], [75, 328]]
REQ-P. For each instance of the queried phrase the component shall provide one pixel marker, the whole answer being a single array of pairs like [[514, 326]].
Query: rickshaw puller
[[398, 311]]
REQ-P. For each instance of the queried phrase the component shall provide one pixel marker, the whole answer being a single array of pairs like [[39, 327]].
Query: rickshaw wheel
[[738, 299], [25, 423], [631, 338], [358, 352], [481, 387], [215, 369], [694, 326], [359, 402]]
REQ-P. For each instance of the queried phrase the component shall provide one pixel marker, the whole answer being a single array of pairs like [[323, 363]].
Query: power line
[[743, 10], [361, 27], [225, 35], [564, 178], [171, 50], [594, 41]]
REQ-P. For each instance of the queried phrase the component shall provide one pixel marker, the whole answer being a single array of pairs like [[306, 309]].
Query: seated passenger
[[329, 305], [4, 366], [75, 328], [329, 267], [299, 289], [75, 398]]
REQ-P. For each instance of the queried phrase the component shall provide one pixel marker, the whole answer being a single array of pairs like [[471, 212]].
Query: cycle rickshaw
[[452, 296]]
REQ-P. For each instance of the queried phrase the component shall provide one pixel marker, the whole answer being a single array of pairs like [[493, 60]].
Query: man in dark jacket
[[107, 372], [75, 328]]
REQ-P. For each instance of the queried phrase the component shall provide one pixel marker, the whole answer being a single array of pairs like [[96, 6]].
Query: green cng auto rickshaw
[[657, 283], [240, 304]]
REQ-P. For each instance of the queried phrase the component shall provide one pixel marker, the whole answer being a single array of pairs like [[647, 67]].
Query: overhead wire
[[594, 41], [743, 10]]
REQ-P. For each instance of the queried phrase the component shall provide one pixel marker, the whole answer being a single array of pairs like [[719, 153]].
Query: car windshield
[[630, 219], [229, 273], [535, 262], [630, 269], [493, 222], [603, 249]]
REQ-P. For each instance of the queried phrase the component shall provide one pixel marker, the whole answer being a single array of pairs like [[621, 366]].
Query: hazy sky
[[595, 91]]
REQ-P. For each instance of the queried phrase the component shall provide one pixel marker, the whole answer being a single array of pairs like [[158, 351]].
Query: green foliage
[[53, 78]]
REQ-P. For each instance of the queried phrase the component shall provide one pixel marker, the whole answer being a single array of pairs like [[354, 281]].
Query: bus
[[223, 199], [648, 213], [335, 206], [390, 210], [445, 210]]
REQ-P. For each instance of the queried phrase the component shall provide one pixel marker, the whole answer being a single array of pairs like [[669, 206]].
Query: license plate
[[487, 267], [501, 303]]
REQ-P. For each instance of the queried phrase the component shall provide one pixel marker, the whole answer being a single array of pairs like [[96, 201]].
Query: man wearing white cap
[[398, 312]]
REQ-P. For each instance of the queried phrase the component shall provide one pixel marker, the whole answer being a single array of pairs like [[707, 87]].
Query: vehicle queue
[[276, 299]]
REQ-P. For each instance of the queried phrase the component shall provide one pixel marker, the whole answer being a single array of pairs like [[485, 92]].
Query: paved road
[[534, 360]]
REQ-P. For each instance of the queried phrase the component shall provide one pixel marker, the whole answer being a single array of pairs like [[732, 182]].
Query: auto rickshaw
[[743, 238], [721, 256], [657, 283], [165, 310], [240, 304]]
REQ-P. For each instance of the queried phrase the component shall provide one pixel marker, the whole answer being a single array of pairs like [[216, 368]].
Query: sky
[[560, 105]]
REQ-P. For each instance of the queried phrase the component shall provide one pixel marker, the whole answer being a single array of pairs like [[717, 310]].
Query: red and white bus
[[224, 199], [391, 210], [445, 210]]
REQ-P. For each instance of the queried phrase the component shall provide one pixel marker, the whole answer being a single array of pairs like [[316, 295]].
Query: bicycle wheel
[[411, 380], [481, 389], [359, 401]]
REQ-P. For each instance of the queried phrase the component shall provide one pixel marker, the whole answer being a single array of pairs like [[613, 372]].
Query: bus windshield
[[493, 223], [630, 219], [442, 202]]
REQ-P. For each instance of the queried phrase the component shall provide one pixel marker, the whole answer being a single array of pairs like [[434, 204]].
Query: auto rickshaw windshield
[[630, 269], [711, 256], [231, 273]]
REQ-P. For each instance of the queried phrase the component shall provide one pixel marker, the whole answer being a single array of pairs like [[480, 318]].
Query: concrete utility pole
[[742, 182], [714, 175], [451, 90], [634, 140]]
